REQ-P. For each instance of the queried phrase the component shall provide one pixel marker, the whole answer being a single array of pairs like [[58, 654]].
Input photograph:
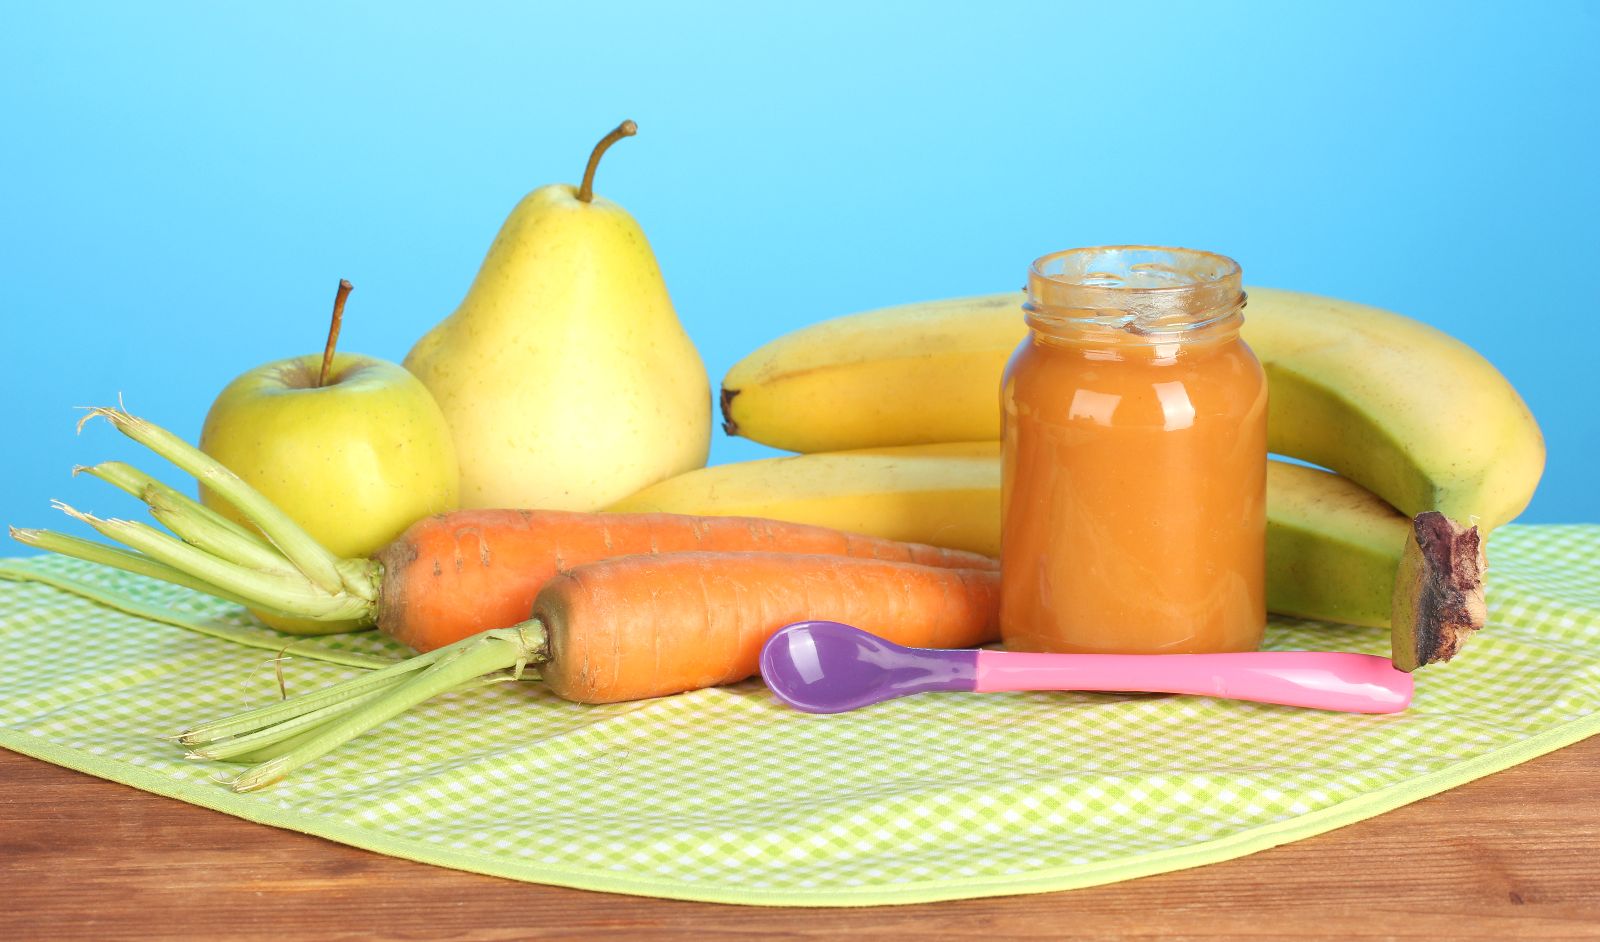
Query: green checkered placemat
[[725, 795]]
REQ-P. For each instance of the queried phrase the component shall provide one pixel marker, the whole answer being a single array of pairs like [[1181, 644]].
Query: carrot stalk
[[270, 750], [279, 741], [104, 555], [136, 563], [201, 532], [309, 557], [273, 713], [205, 528], [283, 593], [500, 649], [252, 742], [136, 482]]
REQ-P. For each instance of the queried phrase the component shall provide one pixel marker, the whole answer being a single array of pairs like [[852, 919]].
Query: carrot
[[624, 629], [649, 626], [456, 574], [446, 578]]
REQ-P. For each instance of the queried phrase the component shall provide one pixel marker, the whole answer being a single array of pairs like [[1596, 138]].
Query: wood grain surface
[[1514, 855]]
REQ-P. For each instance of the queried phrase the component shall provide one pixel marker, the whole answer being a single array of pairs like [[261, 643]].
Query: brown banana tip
[[728, 424], [1448, 597]]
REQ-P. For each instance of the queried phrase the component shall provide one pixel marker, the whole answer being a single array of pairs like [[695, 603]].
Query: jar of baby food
[[1134, 458]]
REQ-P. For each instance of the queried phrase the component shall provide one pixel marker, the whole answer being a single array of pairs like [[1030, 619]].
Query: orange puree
[[1134, 488]]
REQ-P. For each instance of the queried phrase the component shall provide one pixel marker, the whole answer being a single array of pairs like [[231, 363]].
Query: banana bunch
[[896, 412], [1406, 411]]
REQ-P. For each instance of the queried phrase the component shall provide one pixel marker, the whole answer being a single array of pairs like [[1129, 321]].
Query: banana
[[946, 495], [1407, 411], [1394, 405], [1333, 548], [908, 375]]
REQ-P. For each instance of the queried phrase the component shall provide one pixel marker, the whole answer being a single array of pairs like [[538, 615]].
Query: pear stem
[[333, 331], [625, 129]]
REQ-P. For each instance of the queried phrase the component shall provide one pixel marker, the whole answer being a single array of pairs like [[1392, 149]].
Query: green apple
[[353, 448]]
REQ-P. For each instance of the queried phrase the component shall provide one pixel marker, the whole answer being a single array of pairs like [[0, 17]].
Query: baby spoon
[[828, 667]]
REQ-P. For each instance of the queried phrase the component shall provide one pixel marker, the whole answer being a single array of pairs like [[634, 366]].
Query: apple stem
[[625, 129], [333, 330]]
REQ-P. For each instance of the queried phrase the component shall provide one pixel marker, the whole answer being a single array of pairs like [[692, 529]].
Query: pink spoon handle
[[1353, 683]]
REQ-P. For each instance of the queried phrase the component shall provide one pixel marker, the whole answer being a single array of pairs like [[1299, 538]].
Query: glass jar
[[1134, 458]]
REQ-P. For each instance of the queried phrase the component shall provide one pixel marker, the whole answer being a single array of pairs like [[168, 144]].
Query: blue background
[[183, 184]]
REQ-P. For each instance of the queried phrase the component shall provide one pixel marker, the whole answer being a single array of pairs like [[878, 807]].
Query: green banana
[[1333, 548]]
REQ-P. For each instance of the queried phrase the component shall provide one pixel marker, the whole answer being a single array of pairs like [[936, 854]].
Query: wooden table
[[1515, 855]]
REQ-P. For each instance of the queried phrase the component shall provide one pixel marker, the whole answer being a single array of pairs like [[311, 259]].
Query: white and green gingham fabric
[[726, 795]]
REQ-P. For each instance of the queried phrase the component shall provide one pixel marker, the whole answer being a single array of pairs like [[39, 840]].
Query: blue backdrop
[[183, 184]]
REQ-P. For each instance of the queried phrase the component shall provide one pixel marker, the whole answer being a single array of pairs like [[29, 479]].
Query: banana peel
[[1438, 592]]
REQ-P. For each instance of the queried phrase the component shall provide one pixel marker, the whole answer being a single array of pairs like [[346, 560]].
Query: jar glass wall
[[1134, 458]]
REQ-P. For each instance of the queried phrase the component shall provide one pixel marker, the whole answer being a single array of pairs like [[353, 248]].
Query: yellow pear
[[564, 375]]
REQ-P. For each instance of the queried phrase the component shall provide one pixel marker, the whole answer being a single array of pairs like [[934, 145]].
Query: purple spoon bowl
[[828, 667]]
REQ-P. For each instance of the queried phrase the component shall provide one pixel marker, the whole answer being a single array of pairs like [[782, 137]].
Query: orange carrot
[[457, 574], [623, 629], [648, 626]]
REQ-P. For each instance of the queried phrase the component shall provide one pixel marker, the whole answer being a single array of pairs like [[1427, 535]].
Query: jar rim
[[1225, 267], [1140, 289]]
